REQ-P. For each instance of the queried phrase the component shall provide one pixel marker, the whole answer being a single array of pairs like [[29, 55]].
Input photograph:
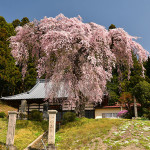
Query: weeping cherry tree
[[80, 55]]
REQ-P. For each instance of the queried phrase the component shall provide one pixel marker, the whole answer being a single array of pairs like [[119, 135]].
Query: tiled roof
[[37, 92]]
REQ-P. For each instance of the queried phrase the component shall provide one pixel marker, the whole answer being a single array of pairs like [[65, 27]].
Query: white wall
[[98, 112]]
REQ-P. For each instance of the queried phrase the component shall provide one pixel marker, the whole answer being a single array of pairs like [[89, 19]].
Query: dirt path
[[98, 144]]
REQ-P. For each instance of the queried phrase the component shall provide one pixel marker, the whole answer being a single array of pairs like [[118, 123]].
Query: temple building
[[35, 99]]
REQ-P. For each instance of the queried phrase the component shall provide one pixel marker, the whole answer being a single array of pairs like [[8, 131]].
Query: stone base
[[12, 147], [51, 147]]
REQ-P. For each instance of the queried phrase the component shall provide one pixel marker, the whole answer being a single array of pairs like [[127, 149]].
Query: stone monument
[[11, 130], [45, 111], [23, 114], [23, 106], [52, 129]]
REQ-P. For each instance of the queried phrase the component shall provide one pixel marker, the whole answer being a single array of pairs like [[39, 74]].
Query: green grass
[[81, 132], [107, 134], [25, 133], [85, 134], [5, 108], [3, 131]]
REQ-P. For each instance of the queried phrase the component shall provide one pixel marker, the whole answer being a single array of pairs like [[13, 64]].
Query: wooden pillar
[[28, 110], [39, 106], [135, 108], [52, 129], [121, 108], [11, 130]]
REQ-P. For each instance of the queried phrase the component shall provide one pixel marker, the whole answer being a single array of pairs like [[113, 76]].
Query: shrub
[[36, 115], [23, 116], [2, 115], [45, 124], [146, 113], [122, 113], [68, 117]]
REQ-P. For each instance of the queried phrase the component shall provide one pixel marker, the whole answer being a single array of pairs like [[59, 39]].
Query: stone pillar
[[11, 129], [23, 106], [23, 109], [52, 129]]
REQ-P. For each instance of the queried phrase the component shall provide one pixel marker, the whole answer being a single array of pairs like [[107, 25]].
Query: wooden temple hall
[[35, 100]]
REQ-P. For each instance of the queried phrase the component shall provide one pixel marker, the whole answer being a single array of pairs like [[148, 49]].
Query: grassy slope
[[104, 134], [101, 134], [26, 132], [5, 108]]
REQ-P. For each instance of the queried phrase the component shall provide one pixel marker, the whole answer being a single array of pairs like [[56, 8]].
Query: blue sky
[[132, 15]]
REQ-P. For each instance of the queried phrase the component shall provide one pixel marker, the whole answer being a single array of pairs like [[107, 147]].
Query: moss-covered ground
[[5, 108]]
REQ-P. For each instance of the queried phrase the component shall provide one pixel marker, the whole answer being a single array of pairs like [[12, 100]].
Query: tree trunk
[[80, 109], [80, 105]]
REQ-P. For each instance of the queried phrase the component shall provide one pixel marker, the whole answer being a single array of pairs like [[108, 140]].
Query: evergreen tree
[[147, 70], [142, 94], [24, 21], [116, 86], [16, 23], [136, 73], [112, 26], [112, 88], [10, 76], [136, 76], [31, 74]]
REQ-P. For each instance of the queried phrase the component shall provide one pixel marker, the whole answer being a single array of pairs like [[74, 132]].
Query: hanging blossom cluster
[[123, 45], [80, 54]]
